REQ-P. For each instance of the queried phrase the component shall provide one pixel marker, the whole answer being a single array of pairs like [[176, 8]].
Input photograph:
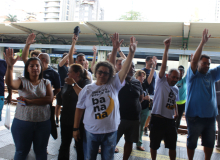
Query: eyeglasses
[[101, 72]]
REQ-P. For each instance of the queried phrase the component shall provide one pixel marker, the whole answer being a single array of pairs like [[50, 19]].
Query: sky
[[151, 10]]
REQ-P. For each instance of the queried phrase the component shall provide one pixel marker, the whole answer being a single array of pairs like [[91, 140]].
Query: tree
[[131, 15], [11, 18]]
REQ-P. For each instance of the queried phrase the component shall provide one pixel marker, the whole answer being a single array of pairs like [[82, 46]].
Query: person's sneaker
[[217, 147]]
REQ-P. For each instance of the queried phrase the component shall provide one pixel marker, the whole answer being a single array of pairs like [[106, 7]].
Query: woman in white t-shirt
[[100, 105]]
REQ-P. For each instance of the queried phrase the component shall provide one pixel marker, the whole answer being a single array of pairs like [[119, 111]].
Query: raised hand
[[94, 49], [205, 36], [115, 41], [74, 38], [167, 42], [9, 57], [30, 39], [133, 45], [154, 59]]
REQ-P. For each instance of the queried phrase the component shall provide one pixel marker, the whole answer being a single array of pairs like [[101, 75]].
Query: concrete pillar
[[102, 56], [1, 52], [183, 60]]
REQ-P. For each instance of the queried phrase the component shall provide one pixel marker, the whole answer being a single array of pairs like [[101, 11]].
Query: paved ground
[[7, 147]]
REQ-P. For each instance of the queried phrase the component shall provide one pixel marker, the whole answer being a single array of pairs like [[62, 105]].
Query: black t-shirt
[[3, 66], [130, 106], [150, 87], [70, 99], [53, 76], [63, 74]]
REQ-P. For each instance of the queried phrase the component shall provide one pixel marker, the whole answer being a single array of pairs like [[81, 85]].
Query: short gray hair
[[124, 62], [173, 69]]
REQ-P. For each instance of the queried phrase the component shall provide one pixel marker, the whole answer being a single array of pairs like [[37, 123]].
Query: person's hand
[[74, 38], [133, 45], [167, 42], [27, 101], [205, 36], [147, 97], [94, 49], [30, 39], [154, 60], [176, 116], [115, 41], [9, 98], [9, 57], [69, 81], [76, 135]]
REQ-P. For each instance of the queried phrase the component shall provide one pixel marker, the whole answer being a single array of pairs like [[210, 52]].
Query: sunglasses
[[101, 72]]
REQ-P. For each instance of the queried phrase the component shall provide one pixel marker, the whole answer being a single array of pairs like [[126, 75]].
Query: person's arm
[[78, 116], [176, 112], [127, 64], [30, 40], [94, 58], [141, 98], [196, 56], [150, 77], [76, 87], [121, 53], [56, 91], [63, 61], [9, 58], [165, 57], [116, 44], [72, 49], [48, 99], [9, 98]]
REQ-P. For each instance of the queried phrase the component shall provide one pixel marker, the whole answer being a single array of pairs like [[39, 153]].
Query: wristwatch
[[75, 129], [119, 51], [73, 84]]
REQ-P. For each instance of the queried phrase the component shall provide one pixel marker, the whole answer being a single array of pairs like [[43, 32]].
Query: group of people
[[120, 102]]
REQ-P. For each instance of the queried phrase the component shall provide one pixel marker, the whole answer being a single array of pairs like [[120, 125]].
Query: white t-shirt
[[90, 75], [101, 106], [165, 98]]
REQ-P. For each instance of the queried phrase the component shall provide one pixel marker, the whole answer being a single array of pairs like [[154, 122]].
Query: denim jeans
[[91, 145], [24, 133]]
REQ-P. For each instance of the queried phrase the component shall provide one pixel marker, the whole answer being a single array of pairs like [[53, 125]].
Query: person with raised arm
[[94, 59], [201, 105], [32, 116], [164, 111], [100, 103]]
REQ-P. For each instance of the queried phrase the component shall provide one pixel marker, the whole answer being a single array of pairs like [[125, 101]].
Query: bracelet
[[75, 129]]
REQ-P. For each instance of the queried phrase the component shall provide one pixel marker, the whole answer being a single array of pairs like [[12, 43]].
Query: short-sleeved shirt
[[201, 95], [165, 98], [182, 90], [90, 75], [70, 99], [150, 87], [53, 76], [129, 100], [3, 66], [32, 112], [101, 106], [63, 74]]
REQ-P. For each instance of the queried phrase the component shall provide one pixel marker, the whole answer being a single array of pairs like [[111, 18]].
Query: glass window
[[68, 7], [67, 12], [67, 17]]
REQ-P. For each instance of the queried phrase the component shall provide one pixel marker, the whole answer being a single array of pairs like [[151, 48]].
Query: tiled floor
[[7, 147]]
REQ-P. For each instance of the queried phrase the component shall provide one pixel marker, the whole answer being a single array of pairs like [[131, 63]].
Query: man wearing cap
[[181, 84]]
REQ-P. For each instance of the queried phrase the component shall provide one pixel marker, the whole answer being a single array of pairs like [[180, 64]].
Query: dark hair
[[139, 73], [148, 58], [108, 65], [204, 56], [35, 52], [171, 70], [80, 54], [26, 73], [64, 55], [79, 68]]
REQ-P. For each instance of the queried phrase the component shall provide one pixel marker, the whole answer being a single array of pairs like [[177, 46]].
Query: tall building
[[73, 10], [217, 13]]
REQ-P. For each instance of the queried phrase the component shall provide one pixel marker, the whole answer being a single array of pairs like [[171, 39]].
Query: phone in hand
[[77, 31]]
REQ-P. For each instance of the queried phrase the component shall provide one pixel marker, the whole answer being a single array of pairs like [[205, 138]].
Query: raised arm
[[121, 53], [127, 64], [9, 58], [150, 77], [116, 44], [30, 40], [63, 61], [165, 57], [94, 58], [72, 49], [196, 56]]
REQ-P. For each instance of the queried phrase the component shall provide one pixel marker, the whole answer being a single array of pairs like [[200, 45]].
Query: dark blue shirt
[[53, 76], [150, 87], [63, 73], [3, 67]]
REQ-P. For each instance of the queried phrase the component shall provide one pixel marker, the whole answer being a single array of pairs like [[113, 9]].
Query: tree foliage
[[11, 18], [131, 15]]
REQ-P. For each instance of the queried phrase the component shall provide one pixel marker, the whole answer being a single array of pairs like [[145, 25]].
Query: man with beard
[[130, 97], [164, 111]]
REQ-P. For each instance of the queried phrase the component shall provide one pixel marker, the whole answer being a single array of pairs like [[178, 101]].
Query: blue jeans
[[201, 126], [91, 145], [24, 133]]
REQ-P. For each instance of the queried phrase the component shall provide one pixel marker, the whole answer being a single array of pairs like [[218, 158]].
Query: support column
[[1, 52], [183, 60]]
